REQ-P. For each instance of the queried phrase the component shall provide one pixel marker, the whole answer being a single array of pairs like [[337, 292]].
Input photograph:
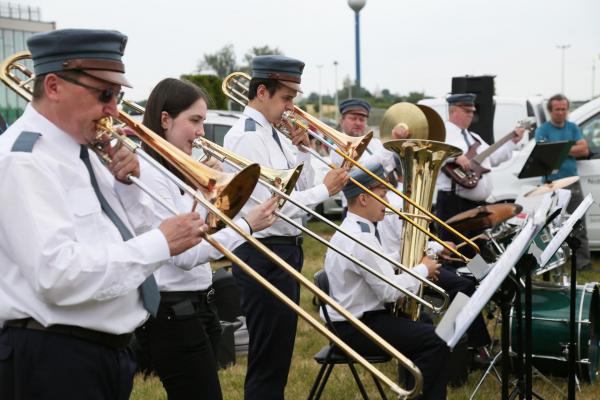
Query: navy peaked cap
[[355, 106], [287, 70], [462, 98], [97, 52], [351, 190]]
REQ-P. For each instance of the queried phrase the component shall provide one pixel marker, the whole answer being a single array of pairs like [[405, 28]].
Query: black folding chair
[[331, 355]]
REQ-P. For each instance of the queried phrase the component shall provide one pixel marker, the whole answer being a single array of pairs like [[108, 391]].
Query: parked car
[[507, 187]]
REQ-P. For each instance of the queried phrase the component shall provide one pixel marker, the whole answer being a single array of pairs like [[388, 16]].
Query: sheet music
[[566, 229], [487, 287]]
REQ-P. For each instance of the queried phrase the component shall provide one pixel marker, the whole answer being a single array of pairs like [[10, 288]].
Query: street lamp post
[[562, 48], [357, 5], [335, 85], [320, 93]]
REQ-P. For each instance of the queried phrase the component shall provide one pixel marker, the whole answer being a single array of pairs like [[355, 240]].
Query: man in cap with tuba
[[75, 281], [365, 296], [271, 324]]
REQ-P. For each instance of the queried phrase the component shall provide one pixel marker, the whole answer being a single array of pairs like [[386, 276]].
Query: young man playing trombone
[[365, 296], [271, 325]]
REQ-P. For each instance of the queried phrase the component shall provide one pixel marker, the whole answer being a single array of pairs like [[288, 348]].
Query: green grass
[[341, 385]]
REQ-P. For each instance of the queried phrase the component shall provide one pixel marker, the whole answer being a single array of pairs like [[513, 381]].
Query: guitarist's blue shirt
[[548, 132]]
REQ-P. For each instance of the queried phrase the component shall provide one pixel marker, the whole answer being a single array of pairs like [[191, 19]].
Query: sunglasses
[[105, 95]]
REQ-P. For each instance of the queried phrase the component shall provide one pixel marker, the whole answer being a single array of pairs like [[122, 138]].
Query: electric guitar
[[470, 178]]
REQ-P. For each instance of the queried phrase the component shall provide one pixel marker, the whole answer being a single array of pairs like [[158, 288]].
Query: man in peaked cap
[[271, 324], [354, 114], [452, 198], [75, 282], [365, 295]]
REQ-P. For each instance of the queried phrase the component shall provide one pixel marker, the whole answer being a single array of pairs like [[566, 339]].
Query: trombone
[[234, 88], [271, 179], [162, 147]]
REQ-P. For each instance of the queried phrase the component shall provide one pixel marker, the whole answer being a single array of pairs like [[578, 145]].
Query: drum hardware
[[552, 186]]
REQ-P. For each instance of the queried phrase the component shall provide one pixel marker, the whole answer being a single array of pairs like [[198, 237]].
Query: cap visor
[[117, 78], [292, 85]]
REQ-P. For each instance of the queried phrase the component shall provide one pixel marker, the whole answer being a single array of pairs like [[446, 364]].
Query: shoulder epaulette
[[363, 227], [25, 141], [250, 125]]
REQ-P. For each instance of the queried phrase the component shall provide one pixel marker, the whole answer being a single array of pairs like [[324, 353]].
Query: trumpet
[[160, 146], [270, 179], [235, 86]]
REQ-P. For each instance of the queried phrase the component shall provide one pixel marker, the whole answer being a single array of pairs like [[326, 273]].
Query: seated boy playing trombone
[[365, 296]]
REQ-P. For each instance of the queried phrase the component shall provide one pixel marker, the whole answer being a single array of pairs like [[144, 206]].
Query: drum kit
[[498, 224]]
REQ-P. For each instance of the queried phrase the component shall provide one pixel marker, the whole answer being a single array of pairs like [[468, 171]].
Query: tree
[[212, 85], [222, 61], [257, 51]]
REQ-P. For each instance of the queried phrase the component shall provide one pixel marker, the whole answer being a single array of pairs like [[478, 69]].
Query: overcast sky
[[406, 45]]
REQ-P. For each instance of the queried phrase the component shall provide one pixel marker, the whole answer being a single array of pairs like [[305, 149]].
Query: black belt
[[207, 296], [102, 338], [282, 240]]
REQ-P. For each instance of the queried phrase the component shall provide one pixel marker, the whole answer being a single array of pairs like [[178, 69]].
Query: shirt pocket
[[87, 213], [83, 202]]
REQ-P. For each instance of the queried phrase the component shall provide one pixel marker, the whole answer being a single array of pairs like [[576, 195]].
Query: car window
[[219, 132], [591, 132]]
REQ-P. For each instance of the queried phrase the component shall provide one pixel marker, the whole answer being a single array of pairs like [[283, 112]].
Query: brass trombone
[[236, 89], [160, 146], [270, 178]]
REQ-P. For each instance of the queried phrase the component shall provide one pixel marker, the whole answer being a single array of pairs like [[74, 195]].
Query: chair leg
[[317, 382], [379, 387], [358, 381], [324, 381]]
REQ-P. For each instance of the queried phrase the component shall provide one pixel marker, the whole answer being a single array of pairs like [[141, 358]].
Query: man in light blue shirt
[[558, 128]]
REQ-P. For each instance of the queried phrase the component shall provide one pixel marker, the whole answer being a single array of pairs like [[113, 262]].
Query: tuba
[[421, 157]]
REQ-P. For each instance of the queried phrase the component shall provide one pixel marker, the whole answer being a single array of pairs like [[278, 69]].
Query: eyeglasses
[[105, 96]]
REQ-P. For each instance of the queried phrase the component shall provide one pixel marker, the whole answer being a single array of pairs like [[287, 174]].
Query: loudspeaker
[[483, 87]]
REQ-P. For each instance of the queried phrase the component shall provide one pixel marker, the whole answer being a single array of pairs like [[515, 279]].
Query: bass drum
[[550, 329]]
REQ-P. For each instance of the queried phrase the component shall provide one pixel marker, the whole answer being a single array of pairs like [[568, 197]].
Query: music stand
[[566, 233], [545, 159], [463, 310]]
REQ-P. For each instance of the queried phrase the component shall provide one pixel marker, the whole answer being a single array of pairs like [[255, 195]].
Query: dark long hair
[[172, 96]]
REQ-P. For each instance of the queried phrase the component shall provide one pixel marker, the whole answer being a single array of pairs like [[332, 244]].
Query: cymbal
[[552, 186], [422, 122], [484, 217]]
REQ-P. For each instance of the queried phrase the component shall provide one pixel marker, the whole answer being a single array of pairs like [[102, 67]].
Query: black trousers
[[45, 365], [452, 283], [271, 324], [181, 344], [415, 339]]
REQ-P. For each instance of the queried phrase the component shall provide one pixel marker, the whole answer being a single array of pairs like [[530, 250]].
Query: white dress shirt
[[354, 288], [259, 146], [62, 260], [375, 153], [483, 189], [190, 270]]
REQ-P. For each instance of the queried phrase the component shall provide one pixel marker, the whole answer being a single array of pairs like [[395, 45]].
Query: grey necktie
[[466, 136], [276, 137], [377, 232], [148, 289]]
